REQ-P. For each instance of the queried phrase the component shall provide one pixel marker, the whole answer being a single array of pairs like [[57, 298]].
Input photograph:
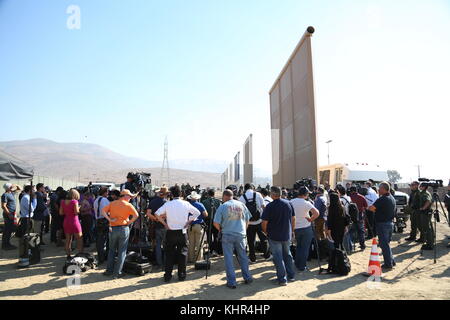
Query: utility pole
[[418, 168], [165, 171], [328, 143]]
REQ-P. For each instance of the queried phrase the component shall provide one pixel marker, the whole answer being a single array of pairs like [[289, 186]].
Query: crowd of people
[[179, 218]]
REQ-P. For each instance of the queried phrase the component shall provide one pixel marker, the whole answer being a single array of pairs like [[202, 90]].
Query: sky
[[200, 72]]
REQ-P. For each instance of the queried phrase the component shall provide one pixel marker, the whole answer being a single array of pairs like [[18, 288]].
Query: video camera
[[309, 183], [141, 182], [304, 182], [435, 184]]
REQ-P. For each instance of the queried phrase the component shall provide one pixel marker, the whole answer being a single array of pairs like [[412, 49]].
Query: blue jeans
[[304, 238], [384, 232], [118, 242], [231, 242], [282, 258], [7, 231], [347, 241], [160, 236], [358, 233]]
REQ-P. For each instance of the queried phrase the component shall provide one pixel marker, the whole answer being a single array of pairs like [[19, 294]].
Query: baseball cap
[[7, 186], [303, 191]]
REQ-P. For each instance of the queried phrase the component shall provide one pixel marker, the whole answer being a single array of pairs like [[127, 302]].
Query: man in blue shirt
[[196, 230], [160, 230], [384, 208], [8, 203], [231, 220], [25, 214], [278, 221]]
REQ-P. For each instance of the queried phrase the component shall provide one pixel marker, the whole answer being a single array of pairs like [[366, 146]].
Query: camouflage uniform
[[414, 204], [425, 225]]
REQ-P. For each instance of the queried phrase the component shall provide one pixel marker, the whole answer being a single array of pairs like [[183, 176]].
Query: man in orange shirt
[[119, 215]]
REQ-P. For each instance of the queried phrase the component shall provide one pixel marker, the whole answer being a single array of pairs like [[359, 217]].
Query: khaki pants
[[195, 236], [319, 225]]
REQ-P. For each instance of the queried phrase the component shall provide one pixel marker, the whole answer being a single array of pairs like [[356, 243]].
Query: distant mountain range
[[89, 161]]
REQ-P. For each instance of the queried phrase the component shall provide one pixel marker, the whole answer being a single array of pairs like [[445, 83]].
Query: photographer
[[131, 186], [425, 225], [211, 205], [160, 232]]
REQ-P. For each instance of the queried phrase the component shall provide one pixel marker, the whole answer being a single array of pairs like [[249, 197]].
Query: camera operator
[[414, 203], [160, 232], [211, 205], [131, 186], [425, 225]]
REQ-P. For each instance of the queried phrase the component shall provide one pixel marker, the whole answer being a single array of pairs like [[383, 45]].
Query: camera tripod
[[209, 239], [437, 203]]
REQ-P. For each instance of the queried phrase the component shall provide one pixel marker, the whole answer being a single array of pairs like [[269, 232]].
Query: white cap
[[7, 186]]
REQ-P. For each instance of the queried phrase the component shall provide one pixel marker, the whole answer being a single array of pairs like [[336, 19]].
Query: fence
[[53, 183]]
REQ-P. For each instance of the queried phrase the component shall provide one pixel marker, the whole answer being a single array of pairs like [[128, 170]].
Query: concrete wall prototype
[[293, 118], [248, 160], [237, 169]]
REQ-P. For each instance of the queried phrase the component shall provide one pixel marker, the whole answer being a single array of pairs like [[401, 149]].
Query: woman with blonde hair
[[70, 209]]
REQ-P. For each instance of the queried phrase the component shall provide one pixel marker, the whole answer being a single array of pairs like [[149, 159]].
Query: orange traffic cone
[[374, 261]]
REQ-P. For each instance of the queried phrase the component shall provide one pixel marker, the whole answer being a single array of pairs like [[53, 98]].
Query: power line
[[165, 171]]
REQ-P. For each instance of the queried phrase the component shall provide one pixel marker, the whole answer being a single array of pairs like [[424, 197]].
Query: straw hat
[[194, 196]]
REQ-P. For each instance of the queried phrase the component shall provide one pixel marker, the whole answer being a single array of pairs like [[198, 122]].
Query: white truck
[[343, 173]]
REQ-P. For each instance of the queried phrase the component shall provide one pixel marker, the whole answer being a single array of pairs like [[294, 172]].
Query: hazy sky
[[200, 72]]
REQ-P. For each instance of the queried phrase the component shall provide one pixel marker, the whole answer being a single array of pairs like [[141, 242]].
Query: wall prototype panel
[[248, 160], [293, 118]]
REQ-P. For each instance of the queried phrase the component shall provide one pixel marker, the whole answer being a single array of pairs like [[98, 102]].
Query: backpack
[[251, 206], [353, 211], [83, 261], [339, 263]]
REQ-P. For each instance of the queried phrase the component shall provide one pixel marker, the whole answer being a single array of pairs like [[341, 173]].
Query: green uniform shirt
[[424, 196], [414, 200], [208, 203]]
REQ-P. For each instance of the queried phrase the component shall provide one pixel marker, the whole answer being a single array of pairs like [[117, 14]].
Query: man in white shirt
[[345, 199], [255, 204], [176, 216], [101, 225], [304, 233], [371, 197], [266, 197]]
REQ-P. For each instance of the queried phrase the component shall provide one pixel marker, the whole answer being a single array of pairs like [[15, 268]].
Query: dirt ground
[[414, 277]]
